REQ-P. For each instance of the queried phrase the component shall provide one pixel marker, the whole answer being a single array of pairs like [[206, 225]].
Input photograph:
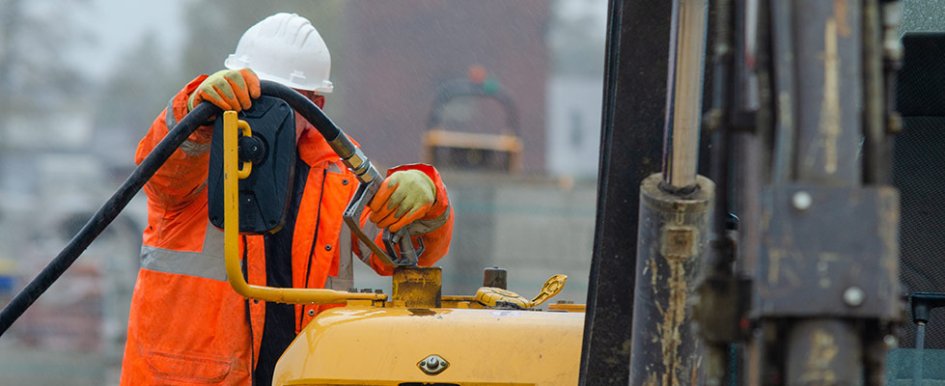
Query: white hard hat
[[287, 49]]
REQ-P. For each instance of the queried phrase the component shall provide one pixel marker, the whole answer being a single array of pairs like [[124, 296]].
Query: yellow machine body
[[367, 345]]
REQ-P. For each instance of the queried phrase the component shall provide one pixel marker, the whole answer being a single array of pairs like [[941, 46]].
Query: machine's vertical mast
[[819, 222], [807, 146], [802, 114], [632, 120]]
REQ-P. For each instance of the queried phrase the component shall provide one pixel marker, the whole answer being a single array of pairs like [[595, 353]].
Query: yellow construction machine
[[415, 335]]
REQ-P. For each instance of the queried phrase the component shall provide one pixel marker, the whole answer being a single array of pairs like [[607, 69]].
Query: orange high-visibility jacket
[[187, 325]]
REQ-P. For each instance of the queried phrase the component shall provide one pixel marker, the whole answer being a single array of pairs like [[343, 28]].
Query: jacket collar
[[314, 150]]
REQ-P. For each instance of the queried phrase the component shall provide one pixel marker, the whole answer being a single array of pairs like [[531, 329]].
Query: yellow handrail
[[231, 176]]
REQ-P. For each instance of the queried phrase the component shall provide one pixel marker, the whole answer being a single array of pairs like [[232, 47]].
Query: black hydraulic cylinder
[[828, 74], [828, 114], [818, 89], [305, 107], [812, 357], [672, 237]]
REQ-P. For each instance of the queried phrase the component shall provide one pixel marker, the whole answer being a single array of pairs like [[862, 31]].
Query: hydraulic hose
[[349, 153], [104, 216], [305, 107]]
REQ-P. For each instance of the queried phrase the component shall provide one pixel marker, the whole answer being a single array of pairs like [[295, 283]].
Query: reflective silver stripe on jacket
[[189, 147], [169, 115], [208, 264], [345, 278], [370, 229]]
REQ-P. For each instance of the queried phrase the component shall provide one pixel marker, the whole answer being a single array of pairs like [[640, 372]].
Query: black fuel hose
[[305, 107], [104, 216], [339, 142]]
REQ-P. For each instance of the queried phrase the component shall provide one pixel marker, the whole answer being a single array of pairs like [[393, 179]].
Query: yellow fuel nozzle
[[497, 297]]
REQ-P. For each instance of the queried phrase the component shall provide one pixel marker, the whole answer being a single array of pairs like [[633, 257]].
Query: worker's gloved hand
[[227, 89], [404, 197]]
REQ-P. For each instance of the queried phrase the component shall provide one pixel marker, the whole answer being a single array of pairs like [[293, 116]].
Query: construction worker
[[187, 326]]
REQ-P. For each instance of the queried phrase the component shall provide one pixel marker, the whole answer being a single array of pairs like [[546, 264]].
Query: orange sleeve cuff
[[179, 106]]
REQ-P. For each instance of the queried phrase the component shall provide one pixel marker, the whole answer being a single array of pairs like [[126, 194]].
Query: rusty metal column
[[827, 56], [675, 206], [826, 278], [822, 352], [827, 50], [672, 238]]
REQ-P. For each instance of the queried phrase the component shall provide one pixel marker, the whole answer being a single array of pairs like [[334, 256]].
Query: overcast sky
[[117, 25]]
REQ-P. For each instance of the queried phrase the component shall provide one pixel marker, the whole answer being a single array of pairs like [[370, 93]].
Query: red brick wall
[[394, 55]]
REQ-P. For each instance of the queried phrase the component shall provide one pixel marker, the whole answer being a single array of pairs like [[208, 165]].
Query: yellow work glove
[[404, 197], [227, 89]]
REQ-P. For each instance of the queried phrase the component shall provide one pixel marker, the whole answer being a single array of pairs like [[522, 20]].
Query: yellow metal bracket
[[492, 297], [550, 289], [232, 173]]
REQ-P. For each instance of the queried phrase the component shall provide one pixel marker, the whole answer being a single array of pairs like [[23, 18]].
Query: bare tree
[[34, 72], [134, 92], [36, 76]]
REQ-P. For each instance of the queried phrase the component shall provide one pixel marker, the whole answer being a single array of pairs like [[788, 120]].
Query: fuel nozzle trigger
[[398, 249], [408, 255], [369, 182]]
